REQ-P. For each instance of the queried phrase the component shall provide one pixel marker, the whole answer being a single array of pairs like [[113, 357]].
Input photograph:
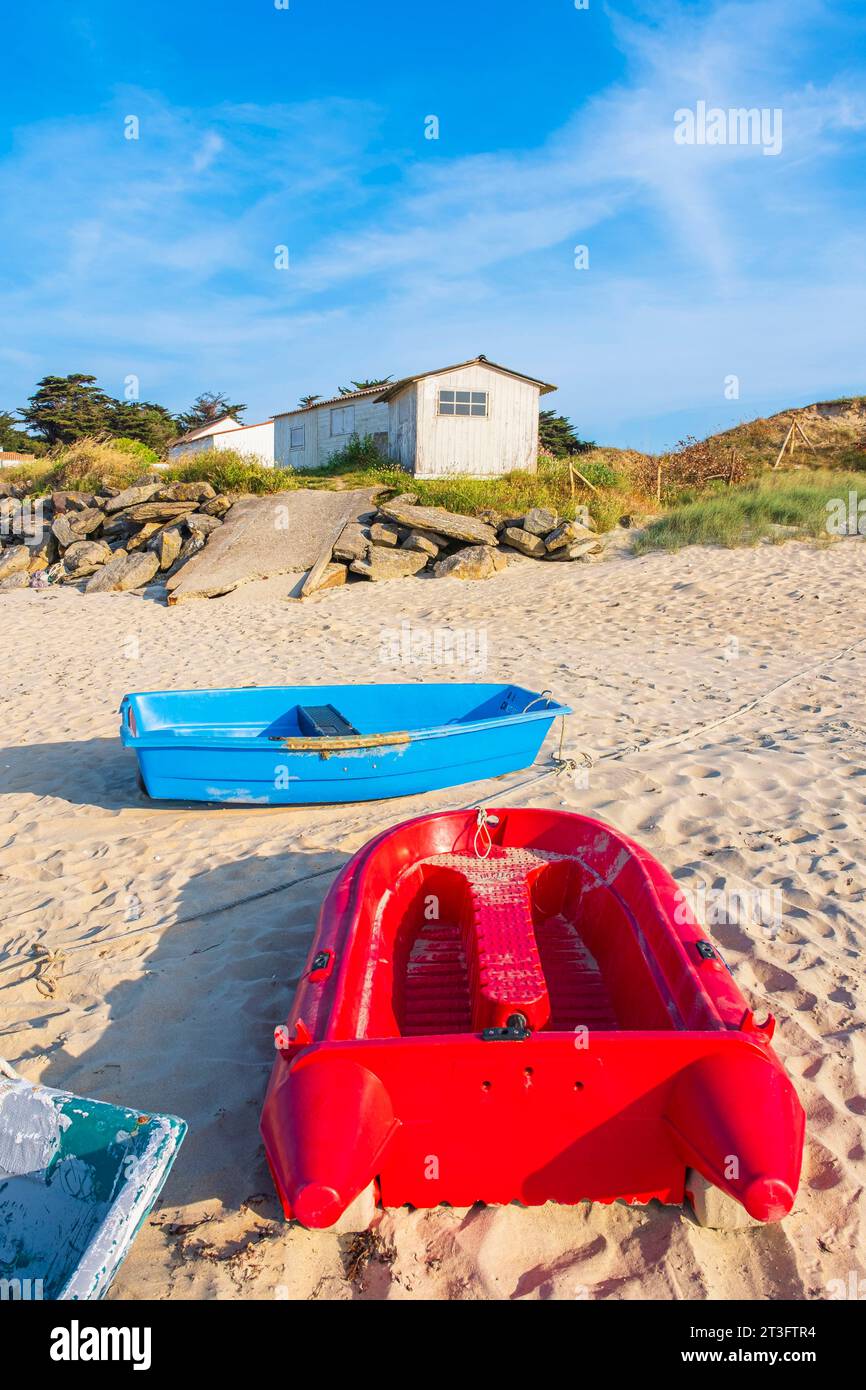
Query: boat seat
[[323, 721], [504, 963]]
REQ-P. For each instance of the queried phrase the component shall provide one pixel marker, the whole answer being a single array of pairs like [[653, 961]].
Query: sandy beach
[[148, 951]]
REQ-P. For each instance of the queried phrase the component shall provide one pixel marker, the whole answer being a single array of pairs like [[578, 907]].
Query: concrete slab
[[264, 536]]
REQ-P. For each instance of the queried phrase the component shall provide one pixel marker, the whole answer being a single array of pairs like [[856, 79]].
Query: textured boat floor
[[437, 995]]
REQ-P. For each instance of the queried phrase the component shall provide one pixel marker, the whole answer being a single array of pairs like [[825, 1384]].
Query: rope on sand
[[100, 941], [672, 740]]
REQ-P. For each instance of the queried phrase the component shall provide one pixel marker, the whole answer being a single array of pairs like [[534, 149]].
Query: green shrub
[[359, 454], [229, 471], [142, 453]]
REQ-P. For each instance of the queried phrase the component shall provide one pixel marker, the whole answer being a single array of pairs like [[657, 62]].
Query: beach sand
[[139, 966]]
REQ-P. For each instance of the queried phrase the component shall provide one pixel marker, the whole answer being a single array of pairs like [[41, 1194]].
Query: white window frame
[[473, 401], [297, 429], [339, 415]]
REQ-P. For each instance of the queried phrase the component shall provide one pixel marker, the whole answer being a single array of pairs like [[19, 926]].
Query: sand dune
[[148, 952]]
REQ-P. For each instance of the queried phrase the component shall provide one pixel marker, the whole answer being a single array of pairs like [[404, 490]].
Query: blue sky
[[261, 127]]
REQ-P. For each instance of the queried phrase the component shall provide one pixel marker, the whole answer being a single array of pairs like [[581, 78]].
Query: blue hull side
[[272, 776]]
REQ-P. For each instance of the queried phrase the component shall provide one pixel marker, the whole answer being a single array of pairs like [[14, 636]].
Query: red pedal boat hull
[[637, 1057]]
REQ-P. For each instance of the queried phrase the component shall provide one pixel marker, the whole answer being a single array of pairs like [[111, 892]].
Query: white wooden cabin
[[254, 441], [476, 418]]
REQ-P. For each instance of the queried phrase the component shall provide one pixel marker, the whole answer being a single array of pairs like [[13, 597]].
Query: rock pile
[[113, 539], [404, 538]]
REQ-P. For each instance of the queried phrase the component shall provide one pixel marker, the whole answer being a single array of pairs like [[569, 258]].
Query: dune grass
[[776, 507]]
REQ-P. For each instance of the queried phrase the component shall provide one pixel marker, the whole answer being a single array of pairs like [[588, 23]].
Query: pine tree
[[65, 408], [559, 436], [206, 409], [365, 385], [13, 439]]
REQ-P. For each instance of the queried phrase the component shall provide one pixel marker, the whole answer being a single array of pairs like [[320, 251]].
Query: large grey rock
[[166, 546], [43, 550], [567, 532], [117, 526], [578, 550], [353, 543], [333, 576], [83, 557], [201, 522], [159, 511], [139, 569], [19, 580], [14, 560], [381, 533], [416, 540], [73, 526], [523, 541], [262, 536], [63, 530], [67, 501], [193, 545], [218, 506], [451, 524], [440, 542], [132, 496], [105, 578], [141, 539], [475, 562], [85, 522], [186, 492], [383, 563], [539, 521]]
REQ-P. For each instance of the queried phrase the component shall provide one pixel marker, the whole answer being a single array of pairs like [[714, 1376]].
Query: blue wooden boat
[[77, 1179], [313, 745]]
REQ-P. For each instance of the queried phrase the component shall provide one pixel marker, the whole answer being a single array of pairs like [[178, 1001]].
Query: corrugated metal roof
[[387, 393], [334, 400]]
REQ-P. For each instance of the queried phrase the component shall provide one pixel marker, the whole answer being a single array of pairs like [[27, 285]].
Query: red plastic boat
[[521, 1010]]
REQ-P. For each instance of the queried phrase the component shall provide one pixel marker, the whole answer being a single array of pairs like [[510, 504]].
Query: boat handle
[[763, 1024], [546, 695], [128, 718], [516, 1030], [323, 966]]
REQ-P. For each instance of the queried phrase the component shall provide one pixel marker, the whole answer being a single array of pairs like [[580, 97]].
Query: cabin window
[[297, 441], [463, 403], [343, 420]]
